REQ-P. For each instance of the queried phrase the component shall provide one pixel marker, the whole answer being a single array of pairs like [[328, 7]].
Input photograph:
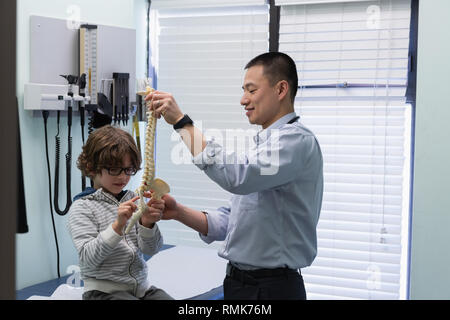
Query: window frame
[[274, 29]]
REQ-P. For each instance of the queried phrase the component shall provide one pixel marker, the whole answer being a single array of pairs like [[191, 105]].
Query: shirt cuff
[[215, 228], [209, 155], [146, 233], [110, 237]]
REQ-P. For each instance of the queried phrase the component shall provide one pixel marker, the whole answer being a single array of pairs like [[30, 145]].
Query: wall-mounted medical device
[[51, 97]]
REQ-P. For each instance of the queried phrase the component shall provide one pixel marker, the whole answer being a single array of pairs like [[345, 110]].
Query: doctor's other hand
[[164, 104], [171, 209], [153, 213]]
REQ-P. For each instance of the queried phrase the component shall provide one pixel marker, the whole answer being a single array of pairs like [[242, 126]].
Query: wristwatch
[[184, 121]]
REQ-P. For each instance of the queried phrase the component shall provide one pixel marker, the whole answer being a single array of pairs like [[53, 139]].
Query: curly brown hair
[[106, 147]]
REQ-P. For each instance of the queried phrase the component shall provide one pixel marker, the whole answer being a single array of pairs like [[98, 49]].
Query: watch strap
[[183, 122]]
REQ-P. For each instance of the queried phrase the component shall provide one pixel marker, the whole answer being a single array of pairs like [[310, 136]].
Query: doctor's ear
[[282, 89]]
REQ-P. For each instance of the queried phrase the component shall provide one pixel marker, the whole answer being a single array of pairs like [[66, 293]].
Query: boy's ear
[[90, 171]]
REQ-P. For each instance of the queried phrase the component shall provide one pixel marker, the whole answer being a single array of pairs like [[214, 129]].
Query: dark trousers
[[152, 294], [263, 284]]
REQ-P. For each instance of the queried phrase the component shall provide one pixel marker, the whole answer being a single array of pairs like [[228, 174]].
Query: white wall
[[35, 251], [140, 24], [430, 254]]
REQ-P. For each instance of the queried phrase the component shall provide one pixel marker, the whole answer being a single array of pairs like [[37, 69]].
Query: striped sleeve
[[93, 247], [150, 241]]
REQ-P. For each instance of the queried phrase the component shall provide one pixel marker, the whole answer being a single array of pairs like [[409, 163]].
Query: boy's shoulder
[[100, 195], [86, 192]]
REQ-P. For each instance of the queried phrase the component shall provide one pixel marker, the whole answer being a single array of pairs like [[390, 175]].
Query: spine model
[[149, 183]]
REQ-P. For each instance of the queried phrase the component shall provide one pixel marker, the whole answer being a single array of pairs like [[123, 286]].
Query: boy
[[112, 264]]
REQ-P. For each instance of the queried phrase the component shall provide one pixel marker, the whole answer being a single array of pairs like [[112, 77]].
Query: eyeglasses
[[116, 171]]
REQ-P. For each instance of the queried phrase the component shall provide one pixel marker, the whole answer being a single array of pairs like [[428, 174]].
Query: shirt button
[[211, 153]]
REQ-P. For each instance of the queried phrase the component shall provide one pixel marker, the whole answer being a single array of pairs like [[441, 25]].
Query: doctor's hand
[[171, 210], [164, 104], [153, 213]]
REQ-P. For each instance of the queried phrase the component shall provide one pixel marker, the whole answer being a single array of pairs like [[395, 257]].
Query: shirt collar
[[101, 194], [264, 134]]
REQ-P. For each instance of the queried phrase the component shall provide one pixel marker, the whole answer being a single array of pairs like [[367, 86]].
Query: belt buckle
[[228, 270]]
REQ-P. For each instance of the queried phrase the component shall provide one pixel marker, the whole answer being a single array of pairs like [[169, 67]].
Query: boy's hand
[[124, 213]]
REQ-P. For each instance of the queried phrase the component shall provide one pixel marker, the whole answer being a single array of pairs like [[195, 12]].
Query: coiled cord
[[91, 123], [68, 170], [82, 120]]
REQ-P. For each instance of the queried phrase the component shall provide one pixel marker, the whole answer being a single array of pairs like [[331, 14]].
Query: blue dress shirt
[[277, 189]]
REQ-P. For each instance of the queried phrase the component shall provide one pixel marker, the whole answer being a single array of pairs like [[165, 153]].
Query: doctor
[[269, 227]]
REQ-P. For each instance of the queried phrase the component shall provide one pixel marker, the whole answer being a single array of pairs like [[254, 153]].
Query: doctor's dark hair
[[278, 66], [107, 147]]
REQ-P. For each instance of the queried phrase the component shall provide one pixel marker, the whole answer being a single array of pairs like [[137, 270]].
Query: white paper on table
[[63, 292], [186, 272]]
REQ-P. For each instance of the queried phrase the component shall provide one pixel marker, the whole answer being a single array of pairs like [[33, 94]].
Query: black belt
[[243, 275]]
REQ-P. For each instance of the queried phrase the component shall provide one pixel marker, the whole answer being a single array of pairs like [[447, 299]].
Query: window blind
[[200, 58], [196, 4], [294, 2], [352, 60]]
